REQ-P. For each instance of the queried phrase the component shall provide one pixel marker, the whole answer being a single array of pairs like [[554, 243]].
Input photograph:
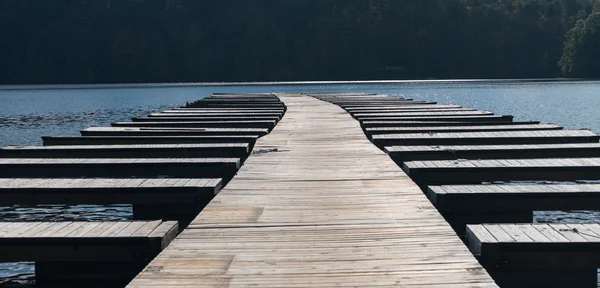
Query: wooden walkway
[[317, 205]]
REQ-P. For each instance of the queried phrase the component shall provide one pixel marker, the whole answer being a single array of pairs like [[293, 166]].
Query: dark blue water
[[26, 113]]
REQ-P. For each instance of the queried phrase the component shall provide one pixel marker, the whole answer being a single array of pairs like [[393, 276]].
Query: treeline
[[116, 41]]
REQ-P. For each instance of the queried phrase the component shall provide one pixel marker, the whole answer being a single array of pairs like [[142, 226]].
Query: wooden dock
[[317, 205], [167, 170], [269, 124], [134, 140], [448, 129], [119, 167], [402, 123], [475, 204], [178, 199], [205, 150], [466, 153], [401, 154], [84, 254], [162, 131], [490, 170], [538, 255]]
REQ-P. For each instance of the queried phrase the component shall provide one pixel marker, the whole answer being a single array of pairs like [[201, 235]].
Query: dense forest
[[118, 41]]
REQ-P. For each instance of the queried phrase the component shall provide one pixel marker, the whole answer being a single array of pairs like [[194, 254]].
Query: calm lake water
[[26, 113]]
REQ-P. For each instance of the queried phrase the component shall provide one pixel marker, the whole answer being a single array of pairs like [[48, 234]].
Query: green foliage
[[581, 49], [104, 41]]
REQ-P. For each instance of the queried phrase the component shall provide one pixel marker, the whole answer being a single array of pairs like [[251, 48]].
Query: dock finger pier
[[310, 190]]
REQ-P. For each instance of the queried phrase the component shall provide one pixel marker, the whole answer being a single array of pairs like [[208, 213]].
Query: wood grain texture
[[317, 205]]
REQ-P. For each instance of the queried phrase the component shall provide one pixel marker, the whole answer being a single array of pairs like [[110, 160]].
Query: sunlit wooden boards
[[201, 124], [487, 138], [132, 140], [515, 203], [477, 171], [364, 116], [170, 199], [205, 150], [194, 118], [317, 205], [119, 168], [402, 154], [538, 255], [157, 131], [367, 108], [84, 254], [471, 118], [216, 116], [448, 129], [402, 123]]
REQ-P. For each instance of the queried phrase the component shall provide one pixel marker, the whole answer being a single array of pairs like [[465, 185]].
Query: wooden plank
[[514, 198], [524, 151], [365, 116], [206, 150], [157, 131], [445, 129], [201, 124], [94, 242], [402, 123], [487, 138], [119, 140], [443, 172], [317, 205], [118, 168], [167, 118], [108, 191]]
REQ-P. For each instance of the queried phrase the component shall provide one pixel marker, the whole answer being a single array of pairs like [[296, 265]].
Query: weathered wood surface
[[446, 129], [481, 138], [202, 118], [221, 111], [201, 124], [227, 104], [363, 116], [527, 151], [401, 123], [85, 254], [119, 168], [477, 171], [366, 107], [538, 255], [317, 205], [102, 191], [510, 198], [132, 131], [405, 110], [473, 118], [84, 241], [185, 113], [131, 140], [209, 150]]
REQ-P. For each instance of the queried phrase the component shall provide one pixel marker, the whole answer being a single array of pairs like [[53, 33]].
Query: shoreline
[[283, 83]]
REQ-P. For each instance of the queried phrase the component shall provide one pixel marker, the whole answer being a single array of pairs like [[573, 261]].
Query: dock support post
[[86, 274]]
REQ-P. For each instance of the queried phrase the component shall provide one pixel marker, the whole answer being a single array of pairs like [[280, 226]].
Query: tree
[[581, 49]]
